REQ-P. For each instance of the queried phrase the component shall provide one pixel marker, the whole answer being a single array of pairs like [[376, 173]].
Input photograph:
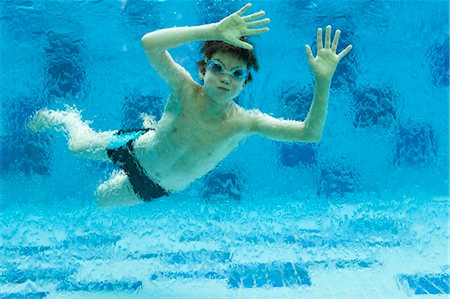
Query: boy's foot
[[49, 119]]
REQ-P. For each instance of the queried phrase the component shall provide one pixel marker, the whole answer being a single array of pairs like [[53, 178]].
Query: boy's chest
[[195, 124], [201, 134], [190, 136]]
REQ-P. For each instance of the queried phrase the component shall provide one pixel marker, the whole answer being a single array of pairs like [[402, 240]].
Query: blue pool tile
[[135, 104], [295, 101], [25, 153], [189, 257], [439, 60], [14, 275], [234, 278], [415, 145], [337, 180], [344, 264], [154, 276], [174, 275], [187, 275], [421, 284], [374, 106], [375, 226], [37, 295], [223, 184], [214, 275], [260, 275], [100, 286], [276, 274], [292, 155], [65, 67], [140, 14], [208, 15], [92, 240], [247, 280], [196, 257], [32, 250], [290, 278], [305, 241], [20, 150], [301, 274], [356, 263], [146, 256]]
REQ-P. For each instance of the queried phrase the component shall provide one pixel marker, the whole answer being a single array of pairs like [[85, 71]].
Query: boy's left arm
[[323, 67]]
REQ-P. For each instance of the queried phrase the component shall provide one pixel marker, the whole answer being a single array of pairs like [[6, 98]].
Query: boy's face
[[225, 85]]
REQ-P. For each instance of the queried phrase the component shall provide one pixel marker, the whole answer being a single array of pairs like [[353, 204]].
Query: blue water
[[362, 214]]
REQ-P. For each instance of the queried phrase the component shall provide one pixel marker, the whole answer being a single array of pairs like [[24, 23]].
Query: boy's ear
[[201, 74]]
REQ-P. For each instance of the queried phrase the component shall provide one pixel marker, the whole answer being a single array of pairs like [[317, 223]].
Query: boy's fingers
[[343, 53], [309, 54], [256, 31], [336, 40], [319, 39], [327, 37], [241, 44], [245, 46], [254, 16], [243, 9], [258, 23]]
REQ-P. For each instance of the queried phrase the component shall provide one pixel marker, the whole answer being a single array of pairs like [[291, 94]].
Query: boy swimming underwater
[[201, 124]]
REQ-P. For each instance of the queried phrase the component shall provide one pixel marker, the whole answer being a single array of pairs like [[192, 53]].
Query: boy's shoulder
[[247, 117], [249, 113]]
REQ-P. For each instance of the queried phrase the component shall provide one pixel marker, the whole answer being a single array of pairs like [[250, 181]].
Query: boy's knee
[[101, 197], [79, 149], [114, 194], [86, 149]]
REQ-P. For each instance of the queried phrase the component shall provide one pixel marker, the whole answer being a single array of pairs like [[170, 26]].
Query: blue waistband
[[123, 137]]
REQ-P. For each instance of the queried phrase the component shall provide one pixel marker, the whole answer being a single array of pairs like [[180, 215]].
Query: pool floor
[[192, 249]]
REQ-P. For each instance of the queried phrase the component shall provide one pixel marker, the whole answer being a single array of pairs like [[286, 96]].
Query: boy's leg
[[82, 139], [117, 191]]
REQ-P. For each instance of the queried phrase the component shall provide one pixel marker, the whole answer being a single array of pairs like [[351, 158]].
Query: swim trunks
[[120, 151]]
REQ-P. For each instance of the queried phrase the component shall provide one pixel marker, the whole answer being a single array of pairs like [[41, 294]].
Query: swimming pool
[[362, 214]]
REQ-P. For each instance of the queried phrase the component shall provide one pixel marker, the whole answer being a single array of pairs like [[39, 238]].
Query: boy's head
[[210, 48]]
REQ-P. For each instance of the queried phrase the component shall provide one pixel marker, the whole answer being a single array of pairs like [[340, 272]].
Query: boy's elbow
[[146, 41], [317, 139], [312, 137]]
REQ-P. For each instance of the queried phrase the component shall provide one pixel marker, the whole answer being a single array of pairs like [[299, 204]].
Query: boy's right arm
[[156, 44], [229, 30]]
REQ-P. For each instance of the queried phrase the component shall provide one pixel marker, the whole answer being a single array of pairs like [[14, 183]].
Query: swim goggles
[[216, 67]]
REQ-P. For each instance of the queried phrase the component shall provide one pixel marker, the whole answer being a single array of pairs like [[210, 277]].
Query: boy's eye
[[216, 68], [238, 73]]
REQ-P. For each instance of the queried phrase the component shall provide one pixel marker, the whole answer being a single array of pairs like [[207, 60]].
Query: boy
[[201, 124]]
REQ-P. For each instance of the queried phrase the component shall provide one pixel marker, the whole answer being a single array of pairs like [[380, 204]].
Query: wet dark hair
[[209, 48]]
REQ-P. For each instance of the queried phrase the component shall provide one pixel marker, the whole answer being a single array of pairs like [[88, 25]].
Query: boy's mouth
[[223, 88]]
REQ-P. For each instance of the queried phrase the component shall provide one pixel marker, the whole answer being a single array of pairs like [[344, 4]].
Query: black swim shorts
[[120, 151]]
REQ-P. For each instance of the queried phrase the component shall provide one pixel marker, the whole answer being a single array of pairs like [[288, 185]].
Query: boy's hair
[[209, 48]]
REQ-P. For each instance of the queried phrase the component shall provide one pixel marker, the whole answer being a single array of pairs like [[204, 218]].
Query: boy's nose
[[225, 78]]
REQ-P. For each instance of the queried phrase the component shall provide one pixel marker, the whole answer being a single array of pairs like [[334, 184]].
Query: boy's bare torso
[[188, 141]]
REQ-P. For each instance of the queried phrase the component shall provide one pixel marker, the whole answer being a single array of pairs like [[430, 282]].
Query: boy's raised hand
[[231, 28], [326, 61]]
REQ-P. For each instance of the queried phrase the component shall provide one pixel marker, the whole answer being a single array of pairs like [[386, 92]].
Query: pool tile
[[100, 286], [421, 284], [37, 295], [276, 274]]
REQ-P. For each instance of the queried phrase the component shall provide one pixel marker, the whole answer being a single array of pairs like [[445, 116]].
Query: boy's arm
[[323, 67], [156, 44], [309, 130], [230, 29]]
